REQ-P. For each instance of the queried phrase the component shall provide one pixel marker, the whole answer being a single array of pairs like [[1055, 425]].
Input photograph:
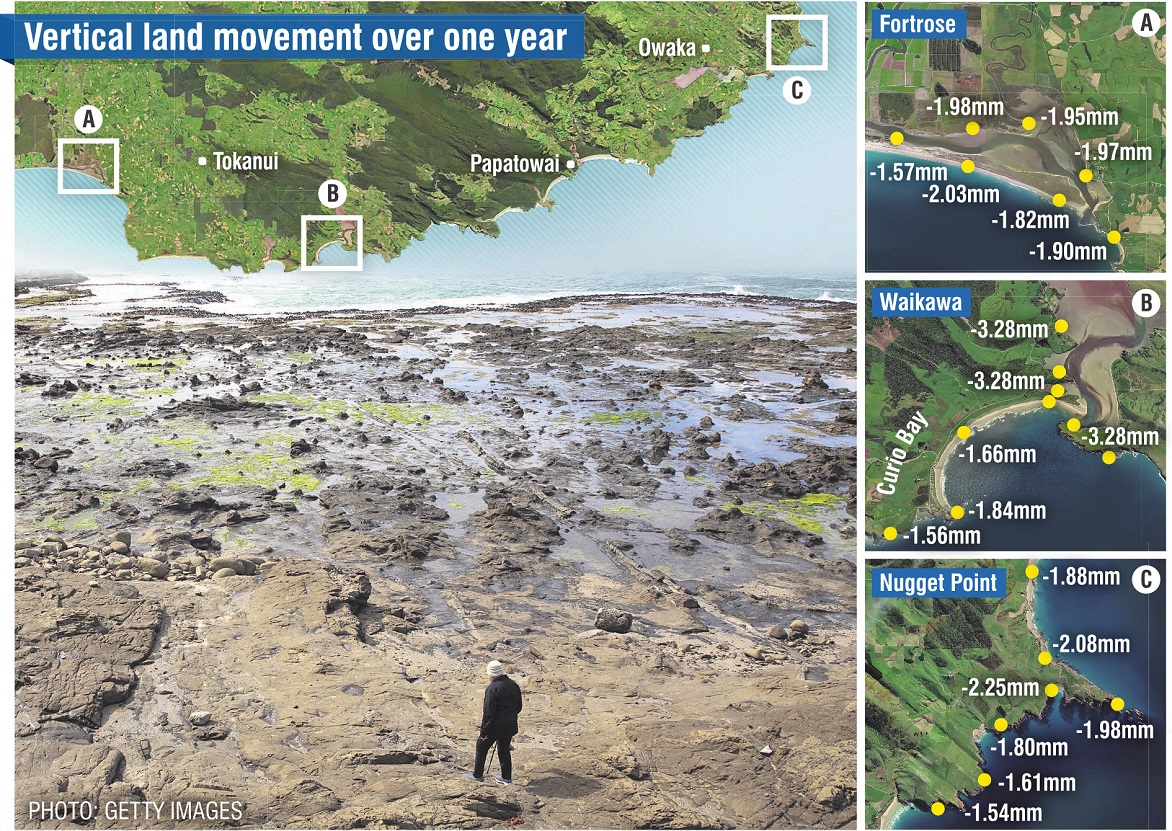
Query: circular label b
[[87, 119], [796, 90], [332, 193], [1145, 303]]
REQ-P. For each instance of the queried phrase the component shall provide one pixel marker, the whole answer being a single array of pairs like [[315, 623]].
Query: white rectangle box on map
[[305, 219], [61, 189]]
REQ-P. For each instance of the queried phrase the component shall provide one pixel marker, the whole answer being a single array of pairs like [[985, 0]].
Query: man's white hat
[[495, 669]]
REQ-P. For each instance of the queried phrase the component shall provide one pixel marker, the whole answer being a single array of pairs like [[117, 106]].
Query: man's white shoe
[[504, 781]]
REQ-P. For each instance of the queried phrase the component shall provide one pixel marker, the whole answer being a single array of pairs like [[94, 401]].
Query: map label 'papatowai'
[[495, 166]]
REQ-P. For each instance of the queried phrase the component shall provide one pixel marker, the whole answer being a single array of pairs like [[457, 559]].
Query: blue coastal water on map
[[1111, 776], [1109, 611], [1128, 496], [905, 232], [741, 209]]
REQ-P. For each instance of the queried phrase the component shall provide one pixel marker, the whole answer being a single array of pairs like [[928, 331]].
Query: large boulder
[[610, 619], [237, 564], [155, 568]]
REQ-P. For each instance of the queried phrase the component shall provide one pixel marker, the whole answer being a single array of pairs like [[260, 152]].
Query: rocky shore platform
[[263, 561]]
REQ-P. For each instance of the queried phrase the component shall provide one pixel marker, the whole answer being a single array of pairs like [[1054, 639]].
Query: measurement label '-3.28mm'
[[1005, 380], [1010, 330]]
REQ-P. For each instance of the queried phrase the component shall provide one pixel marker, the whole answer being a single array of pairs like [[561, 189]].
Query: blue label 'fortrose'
[[918, 24]]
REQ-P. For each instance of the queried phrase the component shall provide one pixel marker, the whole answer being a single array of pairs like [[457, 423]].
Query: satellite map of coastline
[[962, 412], [1037, 107], [400, 134], [1038, 704]]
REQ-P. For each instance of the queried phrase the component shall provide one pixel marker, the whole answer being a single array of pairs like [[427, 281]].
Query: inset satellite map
[[996, 428], [1032, 697], [1034, 142]]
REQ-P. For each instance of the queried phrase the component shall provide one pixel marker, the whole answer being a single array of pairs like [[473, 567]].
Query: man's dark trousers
[[504, 749]]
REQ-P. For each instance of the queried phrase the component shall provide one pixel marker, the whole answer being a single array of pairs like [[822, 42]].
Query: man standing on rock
[[498, 724]]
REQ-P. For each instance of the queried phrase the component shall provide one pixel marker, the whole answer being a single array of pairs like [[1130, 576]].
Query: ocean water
[[1119, 783], [1110, 611], [761, 203], [1090, 506], [907, 233]]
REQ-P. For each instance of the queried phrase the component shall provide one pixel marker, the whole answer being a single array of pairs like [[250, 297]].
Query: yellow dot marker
[[972, 128], [889, 533], [1028, 123], [957, 512], [963, 432], [1057, 390], [1051, 690], [1044, 659], [1085, 175], [1109, 457], [1049, 401], [1074, 425], [1113, 237], [1059, 200], [897, 138], [1059, 371], [968, 165], [1117, 704], [1031, 571], [938, 808], [984, 780], [1060, 326], [1001, 725]]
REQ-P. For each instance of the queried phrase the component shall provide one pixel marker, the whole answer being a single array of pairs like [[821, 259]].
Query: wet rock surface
[[267, 561]]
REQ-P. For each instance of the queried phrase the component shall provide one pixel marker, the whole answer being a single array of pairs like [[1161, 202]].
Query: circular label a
[[87, 119], [1145, 23]]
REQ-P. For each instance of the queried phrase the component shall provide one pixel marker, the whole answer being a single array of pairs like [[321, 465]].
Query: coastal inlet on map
[[996, 412]]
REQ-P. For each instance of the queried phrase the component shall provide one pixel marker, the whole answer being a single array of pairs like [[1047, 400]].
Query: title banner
[[297, 36]]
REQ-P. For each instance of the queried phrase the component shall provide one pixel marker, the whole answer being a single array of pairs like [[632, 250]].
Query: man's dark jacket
[[502, 703]]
